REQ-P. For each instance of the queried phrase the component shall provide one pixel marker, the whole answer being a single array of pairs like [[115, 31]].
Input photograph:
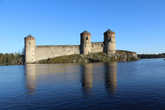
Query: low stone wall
[[97, 47], [45, 52]]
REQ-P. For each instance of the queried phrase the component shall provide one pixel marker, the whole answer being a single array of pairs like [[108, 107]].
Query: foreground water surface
[[136, 85]]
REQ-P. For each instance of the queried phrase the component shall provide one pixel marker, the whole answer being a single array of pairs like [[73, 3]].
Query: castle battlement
[[34, 53]]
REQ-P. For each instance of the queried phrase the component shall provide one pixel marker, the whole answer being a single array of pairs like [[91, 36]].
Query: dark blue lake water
[[136, 85]]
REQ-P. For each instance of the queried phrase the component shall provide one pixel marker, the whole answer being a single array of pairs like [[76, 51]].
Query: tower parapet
[[30, 47], [109, 42], [85, 43]]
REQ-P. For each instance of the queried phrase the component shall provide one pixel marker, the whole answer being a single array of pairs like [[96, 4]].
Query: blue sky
[[139, 24]]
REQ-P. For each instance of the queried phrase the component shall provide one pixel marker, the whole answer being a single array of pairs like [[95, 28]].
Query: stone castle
[[34, 53]]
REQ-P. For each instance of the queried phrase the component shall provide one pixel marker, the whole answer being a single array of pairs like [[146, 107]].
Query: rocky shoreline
[[120, 56]]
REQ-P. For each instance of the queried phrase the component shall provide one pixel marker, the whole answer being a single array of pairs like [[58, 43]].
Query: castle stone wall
[[97, 47], [45, 52]]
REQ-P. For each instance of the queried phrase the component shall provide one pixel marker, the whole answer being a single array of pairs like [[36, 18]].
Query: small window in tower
[[109, 40], [86, 38]]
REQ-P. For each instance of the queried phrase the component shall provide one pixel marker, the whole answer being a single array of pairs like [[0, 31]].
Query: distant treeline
[[161, 55], [11, 59]]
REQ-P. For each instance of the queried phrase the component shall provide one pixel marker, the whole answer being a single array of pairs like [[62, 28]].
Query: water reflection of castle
[[30, 73], [110, 73], [110, 76], [87, 77]]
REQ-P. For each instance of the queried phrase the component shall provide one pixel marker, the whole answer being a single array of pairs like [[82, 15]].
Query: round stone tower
[[109, 42], [85, 45], [30, 46]]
